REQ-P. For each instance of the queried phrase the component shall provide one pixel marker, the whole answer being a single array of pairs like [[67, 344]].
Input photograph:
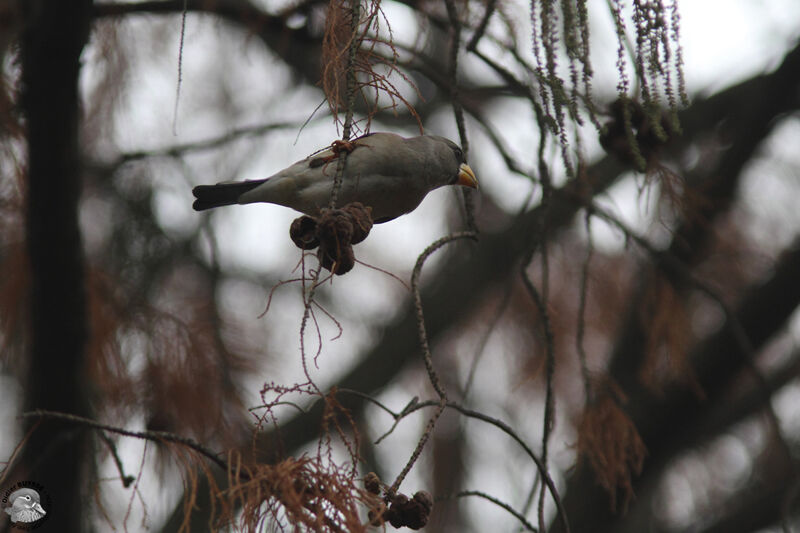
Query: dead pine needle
[[609, 441]]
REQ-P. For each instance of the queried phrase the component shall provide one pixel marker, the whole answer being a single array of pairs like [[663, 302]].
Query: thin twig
[[482, 25], [412, 406], [581, 328], [308, 299], [370, 399], [415, 405], [384, 271], [136, 491], [540, 300], [112, 448], [452, 68], [197, 146], [426, 354], [276, 404], [272, 293], [427, 67], [481, 345], [458, 110], [155, 436], [423, 335], [548, 481], [355, 43], [333, 319], [527, 525]]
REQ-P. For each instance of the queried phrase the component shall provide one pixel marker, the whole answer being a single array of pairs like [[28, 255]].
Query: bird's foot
[[340, 146], [337, 147]]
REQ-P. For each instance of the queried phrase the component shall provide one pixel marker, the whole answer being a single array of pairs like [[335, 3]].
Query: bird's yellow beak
[[466, 177]]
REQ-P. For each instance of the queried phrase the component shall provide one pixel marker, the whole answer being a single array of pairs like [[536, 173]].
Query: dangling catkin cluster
[[561, 28]]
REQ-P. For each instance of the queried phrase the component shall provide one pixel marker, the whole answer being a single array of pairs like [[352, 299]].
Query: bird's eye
[[27, 497]]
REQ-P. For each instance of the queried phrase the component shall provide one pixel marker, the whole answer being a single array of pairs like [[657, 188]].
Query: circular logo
[[26, 503]]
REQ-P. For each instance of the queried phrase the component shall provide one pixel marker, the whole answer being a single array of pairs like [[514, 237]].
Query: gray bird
[[384, 171], [24, 506]]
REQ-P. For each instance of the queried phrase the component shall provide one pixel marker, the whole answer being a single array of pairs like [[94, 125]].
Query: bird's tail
[[208, 196]]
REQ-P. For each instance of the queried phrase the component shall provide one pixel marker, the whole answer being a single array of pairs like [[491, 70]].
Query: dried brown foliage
[[607, 294], [372, 55], [665, 322], [313, 492], [306, 492], [185, 363], [609, 441]]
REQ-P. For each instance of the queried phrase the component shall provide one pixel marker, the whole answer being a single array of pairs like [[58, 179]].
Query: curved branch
[[155, 436], [528, 526]]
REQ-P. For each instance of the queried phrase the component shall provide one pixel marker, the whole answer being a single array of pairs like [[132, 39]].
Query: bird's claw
[[337, 147], [340, 146]]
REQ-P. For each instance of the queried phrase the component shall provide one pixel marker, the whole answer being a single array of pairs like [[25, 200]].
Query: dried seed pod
[[399, 499], [412, 513], [339, 260], [425, 499], [335, 232], [361, 218], [334, 228], [303, 232], [417, 511], [395, 513], [372, 483]]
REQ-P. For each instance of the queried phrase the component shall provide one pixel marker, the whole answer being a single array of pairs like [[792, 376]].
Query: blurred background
[[667, 351]]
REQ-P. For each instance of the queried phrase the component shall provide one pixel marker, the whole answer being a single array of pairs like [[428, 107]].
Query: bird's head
[[460, 172]]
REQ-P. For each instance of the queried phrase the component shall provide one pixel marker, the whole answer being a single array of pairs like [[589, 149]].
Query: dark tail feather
[[209, 196]]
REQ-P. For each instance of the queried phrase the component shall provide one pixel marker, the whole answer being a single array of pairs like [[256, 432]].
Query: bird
[[384, 171], [24, 506]]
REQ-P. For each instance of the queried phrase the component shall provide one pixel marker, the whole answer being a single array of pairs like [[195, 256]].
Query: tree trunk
[[55, 453]]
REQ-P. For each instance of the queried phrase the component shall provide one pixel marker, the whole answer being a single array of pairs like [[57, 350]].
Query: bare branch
[[155, 436], [527, 525]]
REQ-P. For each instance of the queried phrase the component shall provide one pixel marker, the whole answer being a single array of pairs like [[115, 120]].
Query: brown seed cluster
[[334, 231], [637, 127], [372, 483], [401, 510], [412, 513]]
